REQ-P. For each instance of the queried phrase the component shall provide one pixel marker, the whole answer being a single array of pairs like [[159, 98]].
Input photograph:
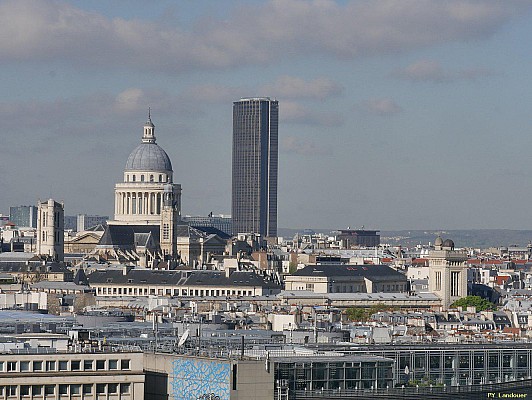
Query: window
[[11, 390], [36, 390], [87, 389], [49, 390], [124, 364], [24, 390], [160, 178], [151, 178], [75, 389], [88, 365], [75, 365], [113, 364], [100, 364], [112, 388], [37, 365], [50, 365], [11, 366], [142, 178], [1, 366], [124, 388], [63, 389], [63, 365], [134, 178], [100, 388], [24, 366]]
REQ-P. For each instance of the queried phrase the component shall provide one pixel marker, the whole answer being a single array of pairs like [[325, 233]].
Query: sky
[[411, 114]]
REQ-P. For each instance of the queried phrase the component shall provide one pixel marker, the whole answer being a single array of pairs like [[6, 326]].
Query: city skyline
[[389, 119]]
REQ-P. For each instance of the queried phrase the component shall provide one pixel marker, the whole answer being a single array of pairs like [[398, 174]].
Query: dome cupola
[[148, 156]]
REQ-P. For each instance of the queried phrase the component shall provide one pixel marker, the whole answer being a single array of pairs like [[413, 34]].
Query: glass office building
[[255, 160], [23, 216]]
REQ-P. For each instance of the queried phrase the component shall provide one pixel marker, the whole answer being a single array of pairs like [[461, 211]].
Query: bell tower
[[170, 217]]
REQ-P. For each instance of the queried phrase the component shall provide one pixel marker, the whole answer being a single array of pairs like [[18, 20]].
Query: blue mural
[[194, 378]]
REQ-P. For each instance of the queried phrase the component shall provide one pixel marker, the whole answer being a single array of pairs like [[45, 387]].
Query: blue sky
[[393, 114]]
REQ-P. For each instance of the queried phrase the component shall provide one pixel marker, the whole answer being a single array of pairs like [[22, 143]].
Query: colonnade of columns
[[138, 203]]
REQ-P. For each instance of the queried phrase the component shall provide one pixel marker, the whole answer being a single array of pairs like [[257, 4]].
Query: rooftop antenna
[[149, 113]]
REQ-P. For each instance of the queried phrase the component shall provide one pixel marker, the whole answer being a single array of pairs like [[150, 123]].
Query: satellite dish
[[183, 338]]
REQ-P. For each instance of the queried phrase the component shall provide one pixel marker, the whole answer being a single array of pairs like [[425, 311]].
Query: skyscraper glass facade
[[255, 161], [23, 216]]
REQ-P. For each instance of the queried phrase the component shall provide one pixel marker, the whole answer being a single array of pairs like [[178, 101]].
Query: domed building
[[148, 170], [147, 210], [147, 229]]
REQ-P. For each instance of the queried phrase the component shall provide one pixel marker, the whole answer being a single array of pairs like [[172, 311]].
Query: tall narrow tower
[[50, 229], [170, 217], [447, 272], [255, 160]]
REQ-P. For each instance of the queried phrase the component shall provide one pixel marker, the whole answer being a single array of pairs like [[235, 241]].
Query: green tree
[[363, 314], [357, 314], [474, 301]]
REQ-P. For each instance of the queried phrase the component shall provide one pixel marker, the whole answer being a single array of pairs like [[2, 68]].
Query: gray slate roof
[[179, 277], [148, 157], [372, 272], [123, 236]]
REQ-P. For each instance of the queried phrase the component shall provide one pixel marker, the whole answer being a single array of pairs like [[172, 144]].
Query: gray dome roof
[[148, 157], [448, 243]]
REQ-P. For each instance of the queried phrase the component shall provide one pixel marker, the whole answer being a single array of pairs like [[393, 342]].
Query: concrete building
[[447, 272], [23, 216], [221, 222], [347, 279], [175, 376], [349, 238], [50, 228], [84, 221], [70, 374], [129, 282], [255, 163]]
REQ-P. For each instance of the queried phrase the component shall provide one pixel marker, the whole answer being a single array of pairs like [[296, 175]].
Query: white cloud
[[291, 87], [302, 146], [432, 71], [211, 93], [292, 112], [129, 100], [381, 106], [277, 29]]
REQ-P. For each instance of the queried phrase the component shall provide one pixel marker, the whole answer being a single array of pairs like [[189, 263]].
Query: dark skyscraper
[[255, 153]]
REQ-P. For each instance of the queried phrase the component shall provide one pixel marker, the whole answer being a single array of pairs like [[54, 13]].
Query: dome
[[148, 157], [448, 243], [438, 241]]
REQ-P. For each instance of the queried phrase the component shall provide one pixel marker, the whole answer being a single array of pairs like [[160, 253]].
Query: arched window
[[151, 178], [134, 178], [160, 178], [142, 178]]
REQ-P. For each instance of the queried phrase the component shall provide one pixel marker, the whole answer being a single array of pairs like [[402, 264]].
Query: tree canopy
[[475, 301]]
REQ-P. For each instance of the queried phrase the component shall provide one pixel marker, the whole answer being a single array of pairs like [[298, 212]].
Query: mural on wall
[[200, 379]]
